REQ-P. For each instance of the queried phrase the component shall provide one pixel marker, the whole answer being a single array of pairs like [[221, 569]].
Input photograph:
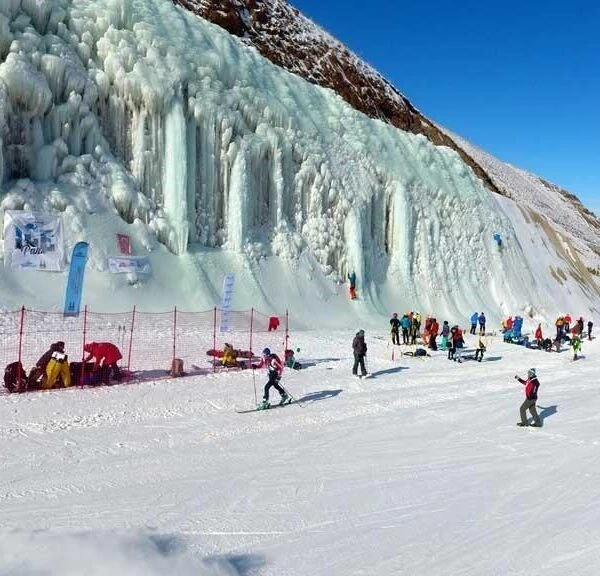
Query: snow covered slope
[[140, 117]]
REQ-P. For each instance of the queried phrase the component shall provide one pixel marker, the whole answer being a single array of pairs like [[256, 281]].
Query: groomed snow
[[418, 470]]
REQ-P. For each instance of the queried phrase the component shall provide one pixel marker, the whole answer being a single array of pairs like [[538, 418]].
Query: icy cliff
[[199, 139]]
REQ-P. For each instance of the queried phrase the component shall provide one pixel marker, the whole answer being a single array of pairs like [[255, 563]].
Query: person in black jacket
[[395, 324], [359, 347]]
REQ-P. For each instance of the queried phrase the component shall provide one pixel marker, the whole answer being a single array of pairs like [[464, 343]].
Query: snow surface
[[417, 470]]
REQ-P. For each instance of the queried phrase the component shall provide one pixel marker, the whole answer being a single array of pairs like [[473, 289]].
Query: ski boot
[[285, 399], [264, 405]]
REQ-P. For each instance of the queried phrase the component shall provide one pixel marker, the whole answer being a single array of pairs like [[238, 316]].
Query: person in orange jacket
[[106, 356]]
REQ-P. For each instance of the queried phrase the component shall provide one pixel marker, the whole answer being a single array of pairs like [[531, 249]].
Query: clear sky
[[520, 79]]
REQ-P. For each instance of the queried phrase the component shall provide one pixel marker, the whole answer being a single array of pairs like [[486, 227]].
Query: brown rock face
[[289, 40]]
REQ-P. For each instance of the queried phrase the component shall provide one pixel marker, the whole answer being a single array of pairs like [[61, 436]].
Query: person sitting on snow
[[57, 367], [228, 359]]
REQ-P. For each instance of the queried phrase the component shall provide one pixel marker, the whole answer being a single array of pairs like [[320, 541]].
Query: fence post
[[251, 326], [22, 321], [286, 331], [214, 338], [174, 339], [82, 372], [130, 344]]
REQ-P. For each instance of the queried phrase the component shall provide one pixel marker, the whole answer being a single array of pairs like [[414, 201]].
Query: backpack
[[420, 352], [15, 379]]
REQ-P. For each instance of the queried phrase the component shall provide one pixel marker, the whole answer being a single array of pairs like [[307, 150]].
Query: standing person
[[57, 367], [580, 325], [395, 324], [106, 356], [481, 347], [567, 324], [481, 320], [352, 280], [590, 326], [539, 337], [405, 323], [359, 348], [274, 368], [531, 389], [445, 334], [458, 342], [415, 327], [576, 344], [474, 318], [435, 328], [452, 343]]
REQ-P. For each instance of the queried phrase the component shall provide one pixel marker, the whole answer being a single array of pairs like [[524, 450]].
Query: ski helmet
[[531, 372], [266, 352], [395, 314]]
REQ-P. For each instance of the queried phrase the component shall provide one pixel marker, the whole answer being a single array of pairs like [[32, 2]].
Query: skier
[[481, 320], [590, 326], [531, 388], [474, 318], [352, 280], [395, 324], [274, 370], [359, 348]]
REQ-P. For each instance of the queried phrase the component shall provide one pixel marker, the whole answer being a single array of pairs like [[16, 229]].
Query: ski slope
[[418, 470]]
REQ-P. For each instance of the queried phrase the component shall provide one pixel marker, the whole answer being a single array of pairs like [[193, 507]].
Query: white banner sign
[[226, 301], [33, 240], [127, 264]]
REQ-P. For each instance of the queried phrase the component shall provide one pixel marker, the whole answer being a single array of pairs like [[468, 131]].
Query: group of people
[[53, 369]]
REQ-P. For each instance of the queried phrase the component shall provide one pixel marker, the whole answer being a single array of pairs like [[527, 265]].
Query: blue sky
[[518, 79]]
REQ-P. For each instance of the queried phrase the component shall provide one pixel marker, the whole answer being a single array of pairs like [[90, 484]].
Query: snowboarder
[[359, 348], [274, 370], [395, 324], [531, 389], [474, 318], [57, 367], [590, 326], [352, 280]]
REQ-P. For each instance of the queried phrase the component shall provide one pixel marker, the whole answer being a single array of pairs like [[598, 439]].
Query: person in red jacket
[[539, 336], [106, 357], [531, 389], [274, 368]]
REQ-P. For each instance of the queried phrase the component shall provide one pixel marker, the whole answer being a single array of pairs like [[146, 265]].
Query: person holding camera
[[531, 389]]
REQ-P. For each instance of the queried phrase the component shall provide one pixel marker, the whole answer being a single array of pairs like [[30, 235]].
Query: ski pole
[[294, 399], [254, 383]]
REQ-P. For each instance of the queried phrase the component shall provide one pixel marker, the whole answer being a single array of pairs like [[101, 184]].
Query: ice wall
[[222, 148]]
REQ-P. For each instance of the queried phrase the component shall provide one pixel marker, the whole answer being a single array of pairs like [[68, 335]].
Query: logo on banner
[[33, 241], [125, 265], [226, 302], [75, 281]]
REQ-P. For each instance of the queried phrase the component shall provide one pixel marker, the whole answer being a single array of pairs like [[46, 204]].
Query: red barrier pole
[[22, 321], [286, 331], [130, 344], [251, 326], [214, 338], [82, 374], [174, 338]]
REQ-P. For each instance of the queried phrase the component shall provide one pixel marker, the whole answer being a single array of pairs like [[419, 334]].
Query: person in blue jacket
[[405, 324], [481, 320], [474, 318]]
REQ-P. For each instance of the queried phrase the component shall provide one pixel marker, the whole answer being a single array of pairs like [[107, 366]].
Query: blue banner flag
[[75, 281]]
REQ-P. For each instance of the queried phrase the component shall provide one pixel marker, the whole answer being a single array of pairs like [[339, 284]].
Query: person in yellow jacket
[[58, 366], [228, 359]]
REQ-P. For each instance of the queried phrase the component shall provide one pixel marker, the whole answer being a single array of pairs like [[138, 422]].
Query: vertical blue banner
[[226, 301], [75, 281]]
